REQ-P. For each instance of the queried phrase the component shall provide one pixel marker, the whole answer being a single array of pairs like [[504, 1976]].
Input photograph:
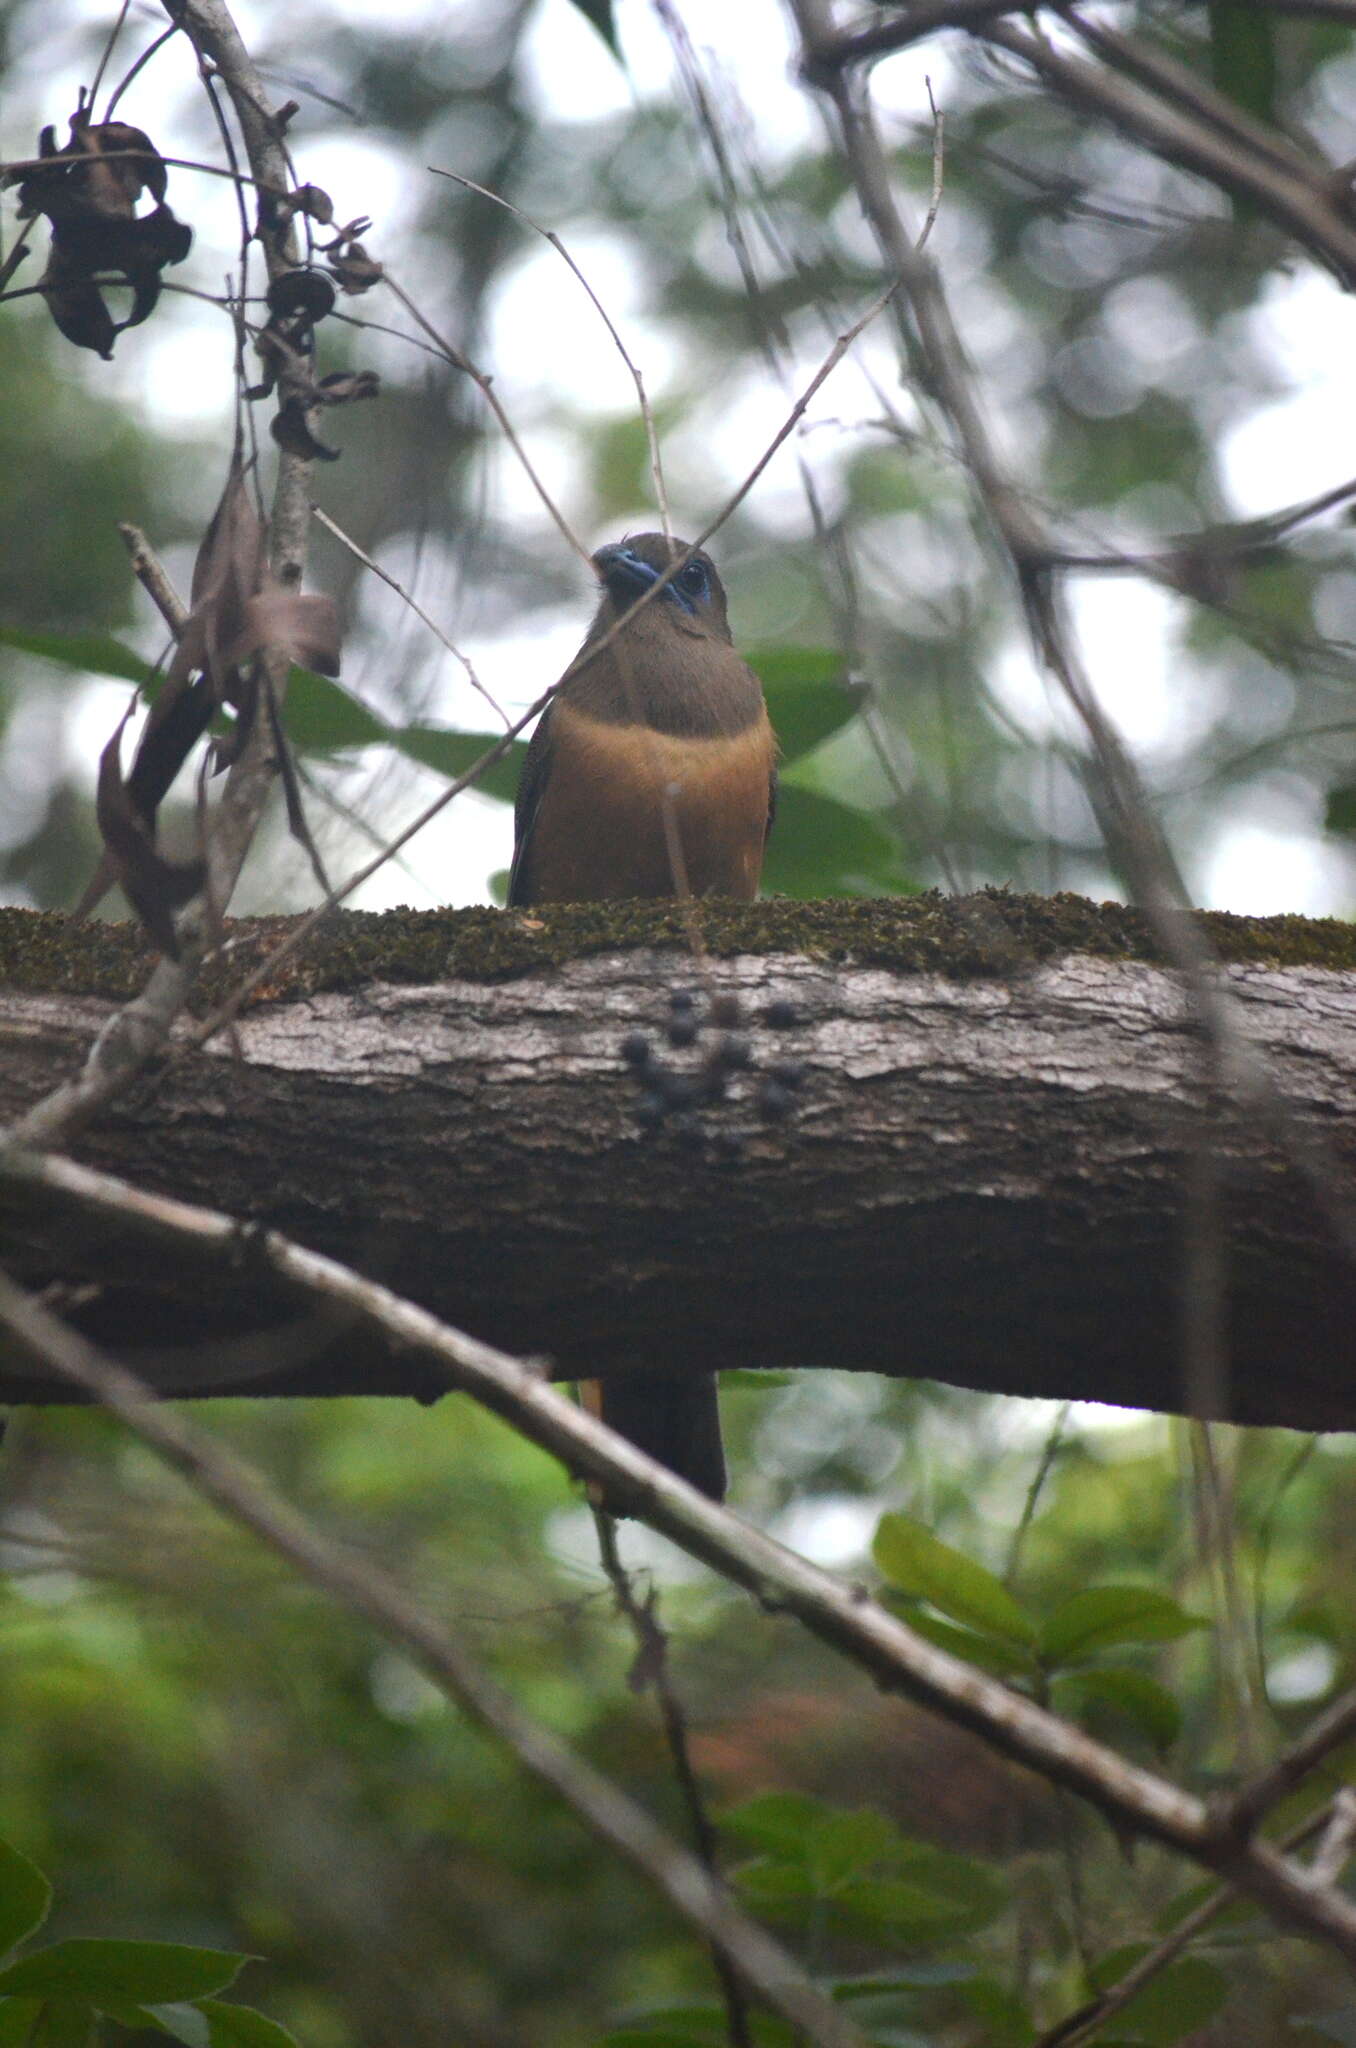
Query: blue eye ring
[[693, 579]]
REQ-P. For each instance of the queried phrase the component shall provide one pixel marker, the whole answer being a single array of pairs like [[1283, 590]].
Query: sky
[[1268, 856]]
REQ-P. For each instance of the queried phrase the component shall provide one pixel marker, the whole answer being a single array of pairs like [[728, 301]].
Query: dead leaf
[[342, 387], [89, 193], [355, 270], [301, 295], [291, 430], [237, 610], [305, 625], [155, 887]]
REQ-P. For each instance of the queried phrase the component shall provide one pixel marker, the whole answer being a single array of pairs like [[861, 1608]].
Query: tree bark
[[980, 1175]]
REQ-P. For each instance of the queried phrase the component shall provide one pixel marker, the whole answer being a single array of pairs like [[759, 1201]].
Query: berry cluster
[[675, 1094]]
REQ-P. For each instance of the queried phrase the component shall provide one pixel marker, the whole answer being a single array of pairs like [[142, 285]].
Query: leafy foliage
[[57, 1996], [260, 1775]]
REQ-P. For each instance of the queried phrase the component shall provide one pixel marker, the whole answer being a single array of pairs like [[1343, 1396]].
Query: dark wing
[[531, 784]]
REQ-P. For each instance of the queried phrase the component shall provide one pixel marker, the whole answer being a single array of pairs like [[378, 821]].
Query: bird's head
[[695, 596]]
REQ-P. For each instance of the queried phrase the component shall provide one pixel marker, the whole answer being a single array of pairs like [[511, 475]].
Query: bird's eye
[[692, 578]]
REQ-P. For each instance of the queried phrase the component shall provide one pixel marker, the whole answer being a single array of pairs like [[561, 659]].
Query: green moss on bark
[[987, 934]]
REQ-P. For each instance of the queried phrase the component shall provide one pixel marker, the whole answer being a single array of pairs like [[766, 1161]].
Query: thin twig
[[938, 167], [359, 554], [135, 69], [1050, 1450], [109, 40], [1297, 199], [651, 1668], [363, 1589], [485, 386], [18, 253], [642, 396], [151, 574], [1243, 1810], [1080, 2026]]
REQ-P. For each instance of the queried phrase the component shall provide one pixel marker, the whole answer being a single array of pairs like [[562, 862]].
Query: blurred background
[[1156, 361]]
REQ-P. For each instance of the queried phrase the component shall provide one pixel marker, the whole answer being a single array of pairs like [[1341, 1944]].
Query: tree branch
[[842, 1616], [990, 1086], [364, 1589], [137, 1033]]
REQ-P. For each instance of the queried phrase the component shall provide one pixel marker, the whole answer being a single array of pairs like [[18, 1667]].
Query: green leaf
[[1007, 2023], [950, 1896], [322, 717], [697, 2026], [182, 2022], [1243, 55], [325, 718], [1340, 814], [17, 2019], [772, 1887], [25, 1896], [986, 1653], [1099, 1617], [923, 1973], [64, 2023], [821, 847], [94, 653], [240, 2026], [452, 753], [1137, 1698], [914, 1561], [599, 13], [845, 1845], [808, 699], [142, 1972], [1175, 2003], [778, 1822]]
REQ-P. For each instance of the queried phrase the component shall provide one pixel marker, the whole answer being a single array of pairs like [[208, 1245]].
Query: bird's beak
[[623, 574]]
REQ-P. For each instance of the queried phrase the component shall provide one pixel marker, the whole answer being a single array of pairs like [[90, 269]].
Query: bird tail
[[674, 1418]]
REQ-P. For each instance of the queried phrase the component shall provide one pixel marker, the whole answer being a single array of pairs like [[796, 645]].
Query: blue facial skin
[[624, 570]]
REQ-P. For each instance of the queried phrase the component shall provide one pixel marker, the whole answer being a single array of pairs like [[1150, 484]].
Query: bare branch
[[1302, 202], [122, 1050], [1244, 1810], [1080, 2026], [642, 396], [150, 573], [347, 540], [650, 1669], [938, 167], [844, 1617], [361, 1587]]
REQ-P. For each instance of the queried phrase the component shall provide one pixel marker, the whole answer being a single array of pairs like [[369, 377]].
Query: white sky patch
[[1304, 444], [450, 861], [830, 1530], [1127, 629], [546, 334], [1266, 871]]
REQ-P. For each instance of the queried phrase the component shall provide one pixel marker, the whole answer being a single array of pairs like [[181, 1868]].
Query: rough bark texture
[[981, 1177]]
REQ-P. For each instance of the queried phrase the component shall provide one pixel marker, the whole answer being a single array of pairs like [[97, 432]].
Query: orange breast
[[618, 797]]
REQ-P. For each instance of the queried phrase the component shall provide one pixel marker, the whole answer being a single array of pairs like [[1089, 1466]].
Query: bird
[[652, 772]]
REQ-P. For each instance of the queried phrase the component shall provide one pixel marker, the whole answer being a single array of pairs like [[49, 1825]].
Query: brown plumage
[[652, 771], [665, 716]]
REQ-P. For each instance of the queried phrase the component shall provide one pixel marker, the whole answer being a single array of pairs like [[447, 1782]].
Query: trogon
[[652, 772]]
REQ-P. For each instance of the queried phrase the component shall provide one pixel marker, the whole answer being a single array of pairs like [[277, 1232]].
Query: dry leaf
[[89, 193]]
